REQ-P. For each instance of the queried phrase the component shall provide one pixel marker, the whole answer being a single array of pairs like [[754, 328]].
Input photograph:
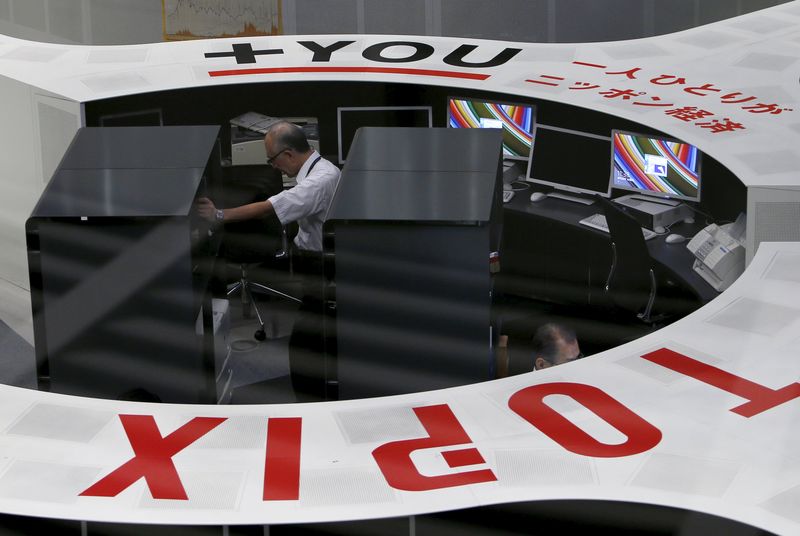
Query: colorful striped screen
[[515, 120], [656, 166]]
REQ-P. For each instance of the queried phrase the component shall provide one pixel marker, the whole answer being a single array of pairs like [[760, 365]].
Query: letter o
[[529, 404], [375, 52]]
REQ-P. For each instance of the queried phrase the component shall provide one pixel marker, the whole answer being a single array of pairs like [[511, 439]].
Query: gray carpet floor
[[17, 359], [253, 361]]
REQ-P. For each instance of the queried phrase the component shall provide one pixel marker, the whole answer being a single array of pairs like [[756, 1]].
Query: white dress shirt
[[308, 202]]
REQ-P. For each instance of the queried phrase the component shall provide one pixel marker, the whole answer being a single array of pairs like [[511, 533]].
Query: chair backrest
[[630, 282], [251, 239], [245, 184]]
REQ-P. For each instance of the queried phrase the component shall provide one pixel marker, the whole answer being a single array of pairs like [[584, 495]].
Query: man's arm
[[259, 209]]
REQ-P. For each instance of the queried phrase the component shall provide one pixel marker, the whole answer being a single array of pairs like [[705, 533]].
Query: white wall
[[106, 22], [91, 22], [19, 184], [35, 132], [34, 135]]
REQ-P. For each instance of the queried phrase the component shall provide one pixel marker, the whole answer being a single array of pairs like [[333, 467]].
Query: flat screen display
[[516, 120], [655, 166], [571, 161], [141, 118], [351, 119]]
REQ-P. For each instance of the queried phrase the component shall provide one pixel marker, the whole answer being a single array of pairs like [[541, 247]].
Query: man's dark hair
[[545, 340], [290, 136]]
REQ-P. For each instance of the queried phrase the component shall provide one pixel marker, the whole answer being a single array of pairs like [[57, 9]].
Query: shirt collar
[[307, 164]]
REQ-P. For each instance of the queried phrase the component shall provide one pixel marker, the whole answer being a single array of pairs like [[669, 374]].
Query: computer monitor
[[516, 120], [138, 118], [569, 160], [655, 166], [350, 119]]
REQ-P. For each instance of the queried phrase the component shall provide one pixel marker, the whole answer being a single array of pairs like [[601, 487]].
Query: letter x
[[153, 457], [244, 53]]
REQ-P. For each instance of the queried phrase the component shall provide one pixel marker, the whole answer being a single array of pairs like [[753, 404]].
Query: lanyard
[[314, 163]]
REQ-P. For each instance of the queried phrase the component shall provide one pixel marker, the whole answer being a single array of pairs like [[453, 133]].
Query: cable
[[525, 186]]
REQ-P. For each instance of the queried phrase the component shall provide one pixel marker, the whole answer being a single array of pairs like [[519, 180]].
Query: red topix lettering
[[759, 398], [529, 404], [282, 460], [153, 457], [394, 459]]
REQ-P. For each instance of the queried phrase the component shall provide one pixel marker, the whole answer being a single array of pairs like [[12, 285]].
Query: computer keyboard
[[507, 195], [598, 221]]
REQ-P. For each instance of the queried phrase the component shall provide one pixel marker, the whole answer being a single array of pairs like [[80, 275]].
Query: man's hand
[[206, 209]]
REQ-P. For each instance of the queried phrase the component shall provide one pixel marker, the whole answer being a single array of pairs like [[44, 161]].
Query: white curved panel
[[690, 437]]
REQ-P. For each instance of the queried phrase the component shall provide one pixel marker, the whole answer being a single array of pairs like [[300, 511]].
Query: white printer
[[247, 136]]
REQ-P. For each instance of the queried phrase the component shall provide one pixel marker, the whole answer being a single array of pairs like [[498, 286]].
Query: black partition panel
[[410, 241], [120, 266]]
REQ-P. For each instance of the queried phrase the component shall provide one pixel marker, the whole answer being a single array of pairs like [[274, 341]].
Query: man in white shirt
[[289, 152], [307, 203]]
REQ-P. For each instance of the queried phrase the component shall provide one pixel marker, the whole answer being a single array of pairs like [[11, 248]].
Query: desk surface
[[673, 257]]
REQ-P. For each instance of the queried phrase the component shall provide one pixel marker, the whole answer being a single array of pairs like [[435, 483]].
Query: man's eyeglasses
[[271, 159]]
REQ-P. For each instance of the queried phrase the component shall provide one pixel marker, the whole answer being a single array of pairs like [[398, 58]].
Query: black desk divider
[[120, 266], [407, 240]]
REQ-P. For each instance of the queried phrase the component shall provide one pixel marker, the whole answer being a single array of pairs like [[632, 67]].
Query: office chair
[[631, 283], [254, 242]]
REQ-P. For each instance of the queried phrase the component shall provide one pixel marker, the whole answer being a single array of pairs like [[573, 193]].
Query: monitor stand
[[655, 212], [573, 198]]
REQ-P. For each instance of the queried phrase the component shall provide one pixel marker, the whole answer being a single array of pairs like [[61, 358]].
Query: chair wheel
[[260, 335]]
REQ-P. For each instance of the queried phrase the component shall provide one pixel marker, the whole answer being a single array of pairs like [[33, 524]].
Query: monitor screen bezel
[[559, 185], [521, 158], [649, 193], [341, 109]]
